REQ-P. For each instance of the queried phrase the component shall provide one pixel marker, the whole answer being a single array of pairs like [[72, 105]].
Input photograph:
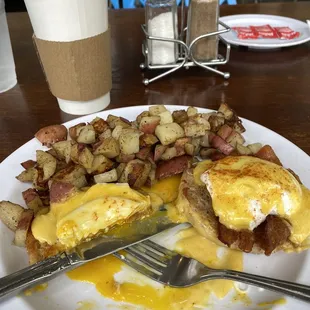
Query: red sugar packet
[[286, 33], [245, 33], [265, 31]]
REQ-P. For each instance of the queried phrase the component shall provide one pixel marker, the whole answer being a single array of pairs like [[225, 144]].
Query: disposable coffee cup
[[7, 65], [69, 21]]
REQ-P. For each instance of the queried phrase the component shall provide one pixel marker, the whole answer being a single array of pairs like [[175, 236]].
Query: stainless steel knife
[[118, 239]]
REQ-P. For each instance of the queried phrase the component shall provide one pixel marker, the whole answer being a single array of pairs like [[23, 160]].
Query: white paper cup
[[7, 65], [70, 20]]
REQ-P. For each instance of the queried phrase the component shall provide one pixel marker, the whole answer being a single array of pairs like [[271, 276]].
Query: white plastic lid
[[84, 107]]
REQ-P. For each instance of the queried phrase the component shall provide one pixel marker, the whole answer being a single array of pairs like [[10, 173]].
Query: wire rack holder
[[185, 55]]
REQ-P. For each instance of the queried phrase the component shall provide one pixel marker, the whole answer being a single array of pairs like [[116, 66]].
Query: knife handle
[[33, 274]]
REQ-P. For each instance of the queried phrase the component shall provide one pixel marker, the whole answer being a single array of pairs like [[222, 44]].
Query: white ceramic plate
[[63, 293], [245, 20]]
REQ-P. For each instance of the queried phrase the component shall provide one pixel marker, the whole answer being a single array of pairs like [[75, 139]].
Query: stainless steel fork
[[173, 269]]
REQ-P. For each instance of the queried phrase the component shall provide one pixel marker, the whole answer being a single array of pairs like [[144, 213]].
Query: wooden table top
[[271, 88]]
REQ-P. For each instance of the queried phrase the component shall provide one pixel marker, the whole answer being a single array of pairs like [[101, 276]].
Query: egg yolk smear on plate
[[103, 272]]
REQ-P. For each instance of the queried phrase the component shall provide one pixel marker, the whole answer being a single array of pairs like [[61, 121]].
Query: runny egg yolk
[[246, 189], [87, 213], [103, 274]]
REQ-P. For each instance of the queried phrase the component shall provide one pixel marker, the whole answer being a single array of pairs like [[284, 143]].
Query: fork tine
[[158, 248], [153, 253], [143, 257], [138, 267]]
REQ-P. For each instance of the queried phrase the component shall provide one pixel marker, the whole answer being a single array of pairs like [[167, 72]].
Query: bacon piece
[[172, 167], [225, 131], [220, 144]]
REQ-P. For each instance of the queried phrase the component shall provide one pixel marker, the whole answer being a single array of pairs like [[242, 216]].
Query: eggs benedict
[[246, 203], [84, 214]]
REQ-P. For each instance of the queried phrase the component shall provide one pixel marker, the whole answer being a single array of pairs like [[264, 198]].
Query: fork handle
[[292, 289]]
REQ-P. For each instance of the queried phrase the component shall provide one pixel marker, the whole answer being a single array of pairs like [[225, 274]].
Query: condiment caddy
[[164, 48]]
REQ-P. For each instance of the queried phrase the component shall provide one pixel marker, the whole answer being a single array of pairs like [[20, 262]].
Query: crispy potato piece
[[38, 182], [100, 164], [144, 153], [28, 164], [159, 151], [205, 140], [179, 116], [73, 131], [207, 152], [47, 162], [151, 180], [243, 150], [220, 144], [165, 118], [111, 121], [63, 150], [86, 134], [32, 200], [169, 153], [169, 133], [52, 134], [225, 131], [147, 139], [45, 197], [27, 175], [10, 214], [86, 158], [74, 154], [108, 147], [73, 174], [119, 169], [194, 130], [141, 115], [191, 111], [136, 173], [117, 132], [196, 142], [239, 127], [106, 177], [106, 134], [216, 122], [157, 109], [22, 228], [123, 158], [123, 122], [235, 138], [254, 147], [172, 167], [226, 110], [180, 145], [148, 124], [129, 142], [60, 191], [99, 125], [189, 149]]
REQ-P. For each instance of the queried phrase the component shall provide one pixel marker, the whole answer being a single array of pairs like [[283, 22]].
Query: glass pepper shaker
[[161, 20], [202, 19]]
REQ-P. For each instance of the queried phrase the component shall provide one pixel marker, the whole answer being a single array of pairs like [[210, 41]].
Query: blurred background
[[18, 5]]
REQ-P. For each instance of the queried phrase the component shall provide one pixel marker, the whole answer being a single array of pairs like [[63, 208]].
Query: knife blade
[[117, 239]]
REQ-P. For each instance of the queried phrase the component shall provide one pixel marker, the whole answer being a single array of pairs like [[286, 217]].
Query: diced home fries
[[159, 143]]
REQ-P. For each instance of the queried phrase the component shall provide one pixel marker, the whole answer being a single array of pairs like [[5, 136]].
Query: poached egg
[[90, 212], [246, 189]]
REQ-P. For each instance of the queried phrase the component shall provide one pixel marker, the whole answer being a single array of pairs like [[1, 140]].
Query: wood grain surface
[[271, 88]]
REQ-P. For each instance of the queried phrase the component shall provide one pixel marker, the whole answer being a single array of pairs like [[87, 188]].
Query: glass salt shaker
[[161, 20], [202, 19]]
